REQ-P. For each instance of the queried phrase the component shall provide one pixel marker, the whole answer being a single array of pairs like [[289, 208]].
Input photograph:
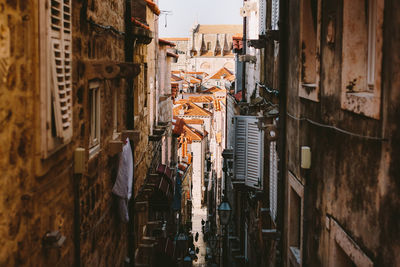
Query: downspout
[[130, 125], [244, 63], [283, 88]]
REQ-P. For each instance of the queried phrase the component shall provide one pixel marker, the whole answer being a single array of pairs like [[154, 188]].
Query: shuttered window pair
[[248, 151], [56, 71], [274, 15]]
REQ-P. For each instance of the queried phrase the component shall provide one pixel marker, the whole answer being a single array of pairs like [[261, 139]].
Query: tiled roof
[[238, 96], [169, 54], [193, 80], [201, 99], [213, 89], [179, 127], [138, 23], [194, 121], [165, 42], [221, 28], [237, 37], [187, 108], [153, 7], [175, 78], [230, 78], [222, 72]]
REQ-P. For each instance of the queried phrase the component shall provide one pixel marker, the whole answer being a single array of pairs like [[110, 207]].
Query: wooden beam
[[107, 69]]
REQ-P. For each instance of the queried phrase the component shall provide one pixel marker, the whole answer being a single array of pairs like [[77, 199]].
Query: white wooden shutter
[[274, 14], [240, 148], [273, 179], [254, 149], [60, 48], [262, 16]]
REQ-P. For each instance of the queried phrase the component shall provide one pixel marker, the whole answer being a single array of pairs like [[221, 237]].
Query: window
[[309, 49], [248, 151], [362, 56], [274, 15], [262, 20], [273, 179], [208, 45], [343, 250], [295, 221], [94, 104], [55, 74]]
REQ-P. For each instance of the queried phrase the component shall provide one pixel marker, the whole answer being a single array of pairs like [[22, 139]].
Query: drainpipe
[[244, 63], [129, 46], [283, 88]]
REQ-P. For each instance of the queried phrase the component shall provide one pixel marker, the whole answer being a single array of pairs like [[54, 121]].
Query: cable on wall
[[108, 28], [367, 137]]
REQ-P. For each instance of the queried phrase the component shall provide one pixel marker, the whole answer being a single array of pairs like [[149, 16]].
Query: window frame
[[297, 188], [309, 89], [56, 124], [94, 100], [361, 89]]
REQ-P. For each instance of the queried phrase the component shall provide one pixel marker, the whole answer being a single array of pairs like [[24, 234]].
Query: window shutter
[[61, 63], [273, 179], [274, 14], [248, 151], [254, 147], [240, 148], [262, 13]]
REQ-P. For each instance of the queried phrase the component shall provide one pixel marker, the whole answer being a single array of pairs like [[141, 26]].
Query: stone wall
[[37, 194]]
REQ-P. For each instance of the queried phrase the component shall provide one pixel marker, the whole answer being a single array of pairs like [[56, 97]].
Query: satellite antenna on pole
[[166, 13]]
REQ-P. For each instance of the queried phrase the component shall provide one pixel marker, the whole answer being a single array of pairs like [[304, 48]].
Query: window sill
[[363, 103], [93, 151], [309, 91]]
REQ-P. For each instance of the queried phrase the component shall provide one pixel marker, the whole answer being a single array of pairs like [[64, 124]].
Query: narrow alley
[[170, 133]]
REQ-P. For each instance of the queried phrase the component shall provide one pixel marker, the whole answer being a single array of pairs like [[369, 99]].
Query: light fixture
[[224, 211]]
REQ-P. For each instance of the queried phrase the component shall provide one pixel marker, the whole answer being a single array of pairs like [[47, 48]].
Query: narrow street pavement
[[198, 215]]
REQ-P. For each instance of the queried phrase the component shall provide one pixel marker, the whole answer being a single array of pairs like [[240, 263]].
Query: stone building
[[323, 96], [80, 75]]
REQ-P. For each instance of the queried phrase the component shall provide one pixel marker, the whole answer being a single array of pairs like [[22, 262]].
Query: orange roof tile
[[213, 89], [222, 72], [201, 99], [138, 23], [194, 121], [230, 77], [187, 108], [153, 7], [175, 78], [165, 42], [180, 127]]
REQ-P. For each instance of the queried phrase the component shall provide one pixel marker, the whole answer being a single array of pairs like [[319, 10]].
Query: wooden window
[[248, 151], [262, 8], [94, 104], [295, 222], [343, 250], [55, 74], [309, 44], [362, 56], [273, 179], [274, 14]]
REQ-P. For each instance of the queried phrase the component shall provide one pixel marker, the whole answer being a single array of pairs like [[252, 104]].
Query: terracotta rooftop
[[153, 7], [165, 42], [222, 72], [221, 28], [169, 54], [175, 78], [188, 108], [180, 127], [214, 89], [201, 99], [136, 22], [194, 121], [230, 78]]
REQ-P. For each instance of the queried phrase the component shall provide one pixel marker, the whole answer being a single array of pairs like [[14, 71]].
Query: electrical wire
[[269, 90], [367, 137], [108, 28]]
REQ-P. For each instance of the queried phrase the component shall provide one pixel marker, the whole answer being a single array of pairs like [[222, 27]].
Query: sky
[[185, 13]]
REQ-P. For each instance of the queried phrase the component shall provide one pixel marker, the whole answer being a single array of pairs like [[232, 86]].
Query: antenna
[[166, 13]]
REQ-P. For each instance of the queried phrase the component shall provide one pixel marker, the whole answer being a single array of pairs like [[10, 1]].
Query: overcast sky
[[185, 12]]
